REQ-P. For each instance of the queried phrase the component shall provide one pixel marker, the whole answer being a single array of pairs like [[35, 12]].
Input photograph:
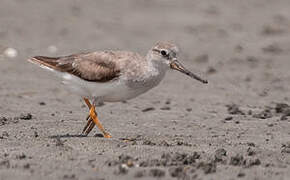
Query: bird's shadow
[[74, 136]]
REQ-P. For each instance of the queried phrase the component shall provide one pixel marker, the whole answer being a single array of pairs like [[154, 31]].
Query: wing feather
[[97, 66]]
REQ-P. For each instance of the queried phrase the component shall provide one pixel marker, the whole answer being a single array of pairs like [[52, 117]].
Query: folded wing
[[97, 66]]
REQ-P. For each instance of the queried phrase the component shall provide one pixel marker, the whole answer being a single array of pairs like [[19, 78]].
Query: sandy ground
[[236, 127]]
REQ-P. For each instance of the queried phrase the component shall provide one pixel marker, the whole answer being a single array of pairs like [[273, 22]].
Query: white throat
[[156, 67]]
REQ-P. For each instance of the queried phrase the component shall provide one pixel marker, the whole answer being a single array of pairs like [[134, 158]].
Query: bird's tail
[[45, 62]]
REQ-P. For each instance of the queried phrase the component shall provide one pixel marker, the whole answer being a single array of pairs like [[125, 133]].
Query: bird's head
[[166, 54]]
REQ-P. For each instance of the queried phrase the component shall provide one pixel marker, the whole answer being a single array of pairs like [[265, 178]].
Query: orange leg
[[87, 129], [88, 103], [89, 126], [93, 120]]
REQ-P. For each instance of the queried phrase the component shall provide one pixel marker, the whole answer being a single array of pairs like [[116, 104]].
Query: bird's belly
[[112, 91], [123, 92]]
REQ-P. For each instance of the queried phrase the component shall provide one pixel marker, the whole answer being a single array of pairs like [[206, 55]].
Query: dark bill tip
[[176, 65]]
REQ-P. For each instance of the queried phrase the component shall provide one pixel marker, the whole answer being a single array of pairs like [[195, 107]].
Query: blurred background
[[241, 47]]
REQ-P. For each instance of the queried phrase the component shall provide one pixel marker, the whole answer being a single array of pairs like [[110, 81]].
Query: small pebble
[[27, 116], [35, 134], [168, 101], [21, 156], [188, 109], [148, 109], [241, 174], [10, 52], [42, 103], [228, 118], [250, 152]]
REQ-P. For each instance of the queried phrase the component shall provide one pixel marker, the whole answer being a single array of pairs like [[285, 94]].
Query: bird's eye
[[164, 53]]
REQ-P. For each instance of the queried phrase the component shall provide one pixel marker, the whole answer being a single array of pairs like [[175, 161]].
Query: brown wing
[[97, 66]]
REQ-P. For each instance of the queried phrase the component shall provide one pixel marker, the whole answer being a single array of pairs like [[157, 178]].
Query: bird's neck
[[155, 67]]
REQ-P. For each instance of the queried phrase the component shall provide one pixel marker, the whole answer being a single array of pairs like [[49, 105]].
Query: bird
[[113, 76]]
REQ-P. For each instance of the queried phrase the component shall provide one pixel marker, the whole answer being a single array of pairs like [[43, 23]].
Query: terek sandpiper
[[112, 76]]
